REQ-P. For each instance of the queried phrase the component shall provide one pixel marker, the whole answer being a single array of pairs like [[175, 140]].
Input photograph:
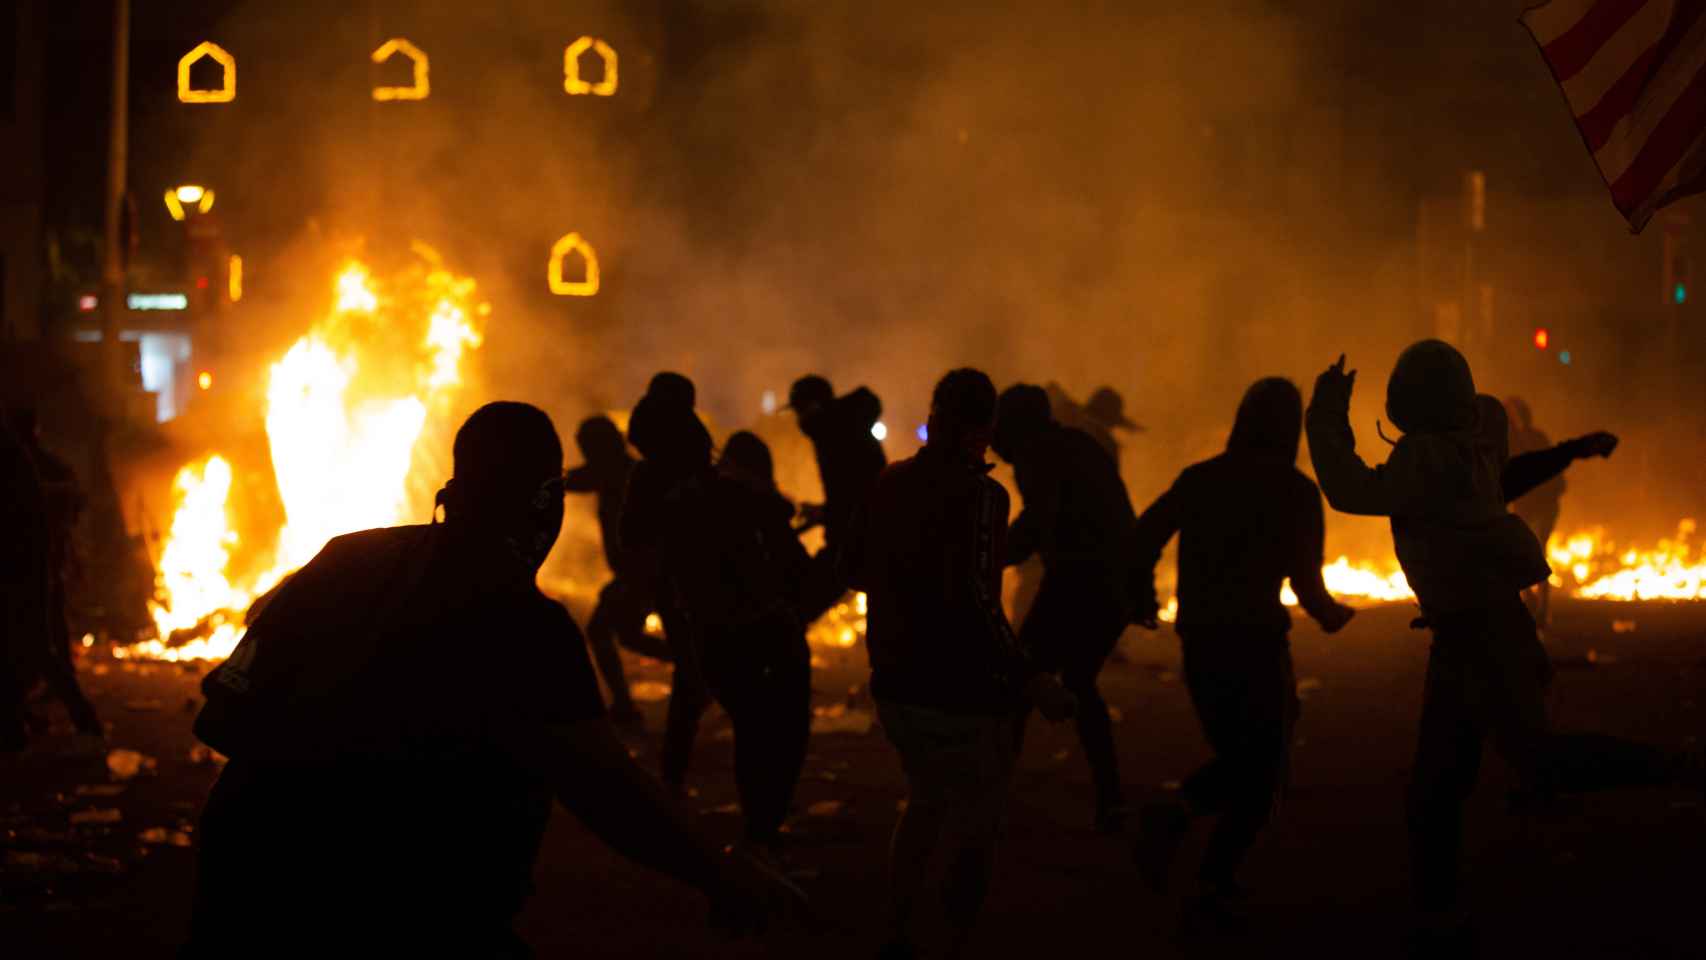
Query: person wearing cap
[[398, 720], [1468, 560], [849, 458], [1078, 519], [623, 602], [949, 678], [1104, 413]]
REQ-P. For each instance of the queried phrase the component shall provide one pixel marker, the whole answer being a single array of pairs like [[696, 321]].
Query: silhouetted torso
[[849, 458], [608, 480], [1077, 513], [366, 784]]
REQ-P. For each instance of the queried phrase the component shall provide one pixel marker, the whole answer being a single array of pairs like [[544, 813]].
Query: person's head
[[1021, 413], [507, 479], [669, 435], [1107, 408], [962, 413], [748, 454], [810, 396], [1269, 422], [599, 440], [1492, 428], [674, 387], [1431, 389], [1517, 409]]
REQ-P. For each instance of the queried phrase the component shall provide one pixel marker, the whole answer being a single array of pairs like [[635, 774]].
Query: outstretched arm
[[1527, 471]]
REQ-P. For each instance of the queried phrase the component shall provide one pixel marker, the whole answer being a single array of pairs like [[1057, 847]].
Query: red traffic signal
[[1541, 338]]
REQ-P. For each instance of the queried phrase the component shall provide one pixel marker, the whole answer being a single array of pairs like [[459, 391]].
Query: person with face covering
[[1247, 520], [1078, 518], [398, 719], [1467, 559]]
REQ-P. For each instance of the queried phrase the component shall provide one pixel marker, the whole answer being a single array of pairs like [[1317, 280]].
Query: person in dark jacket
[[1540, 506], [622, 603], [1247, 521], [1078, 518], [1468, 559], [62, 506], [655, 428], [849, 458], [733, 567], [358, 727], [949, 678]]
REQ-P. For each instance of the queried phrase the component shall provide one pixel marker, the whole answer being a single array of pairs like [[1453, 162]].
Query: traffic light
[[1541, 338]]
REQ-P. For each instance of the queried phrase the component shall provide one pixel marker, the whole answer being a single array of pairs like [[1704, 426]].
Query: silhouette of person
[[1467, 559], [62, 505], [389, 781], [24, 553], [669, 399], [949, 678], [1098, 416], [622, 603], [1247, 520], [1539, 507], [1078, 518], [735, 568], [849, 458]]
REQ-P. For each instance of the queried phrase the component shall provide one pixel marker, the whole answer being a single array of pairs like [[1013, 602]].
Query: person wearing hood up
[[361, 719], [1467, 559], [622, 603], [849, 458], [1077, 518], [1247, 520]]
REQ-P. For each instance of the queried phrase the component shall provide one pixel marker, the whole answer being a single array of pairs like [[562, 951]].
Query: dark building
[[21, 171]]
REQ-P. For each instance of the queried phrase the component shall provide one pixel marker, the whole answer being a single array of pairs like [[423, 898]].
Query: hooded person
[[361, 713], [1444, 486], [849, 458], [1077, 519], [1247, 520]]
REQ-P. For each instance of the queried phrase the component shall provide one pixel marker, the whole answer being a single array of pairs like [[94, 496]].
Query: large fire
[[348, 407]]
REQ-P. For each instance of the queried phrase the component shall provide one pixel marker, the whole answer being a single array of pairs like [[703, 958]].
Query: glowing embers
[[573, 84], [187, 197], [227, 90], [586, 287], [422, 87]]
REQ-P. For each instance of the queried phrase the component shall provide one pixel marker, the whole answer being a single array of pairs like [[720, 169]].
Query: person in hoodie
[[1078, 518], [849, 458], [1247, 520], [622, 604], [1467, 559], [666, 409]]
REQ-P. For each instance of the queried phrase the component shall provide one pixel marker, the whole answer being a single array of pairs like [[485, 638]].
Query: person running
[[734, 569], [669, 397], [1247, 521], [1467, 559], [949, 678], [849, 458], [1078, 518], [622, 603], [1540, 506], [389, 779]]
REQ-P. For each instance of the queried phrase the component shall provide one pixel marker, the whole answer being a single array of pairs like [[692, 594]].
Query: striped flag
[[1634, 73]]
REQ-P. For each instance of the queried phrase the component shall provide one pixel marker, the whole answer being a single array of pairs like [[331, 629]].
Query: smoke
[[1171, 201]]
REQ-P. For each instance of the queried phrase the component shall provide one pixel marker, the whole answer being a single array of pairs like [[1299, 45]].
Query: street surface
[[1616, 876]]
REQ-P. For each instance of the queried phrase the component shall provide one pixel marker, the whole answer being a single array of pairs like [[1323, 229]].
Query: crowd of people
[[355, 721]]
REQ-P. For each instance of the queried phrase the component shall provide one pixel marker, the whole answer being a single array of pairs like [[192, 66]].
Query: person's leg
[[1074, 627], [58, 671], [769, 700], [600, 637], [974, 834], [923, 819], [1448, 758], [1255, 760], [688, 699]]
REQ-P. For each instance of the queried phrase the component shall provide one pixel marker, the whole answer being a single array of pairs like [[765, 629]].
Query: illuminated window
[[571, 243], [227, 91], [572, 55], [421, 87]]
